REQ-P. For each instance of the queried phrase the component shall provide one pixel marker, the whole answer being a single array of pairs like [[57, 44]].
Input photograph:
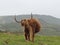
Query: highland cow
[[31, 26]]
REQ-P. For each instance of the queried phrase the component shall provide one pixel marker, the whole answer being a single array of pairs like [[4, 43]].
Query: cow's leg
[[31, 34], [29, 37], [33, 37], [26, 36]]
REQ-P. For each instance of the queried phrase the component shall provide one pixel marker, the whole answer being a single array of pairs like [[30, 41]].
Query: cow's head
[[23, 22]]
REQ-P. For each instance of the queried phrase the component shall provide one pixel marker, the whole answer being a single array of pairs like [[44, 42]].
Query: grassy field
[[15, 39]]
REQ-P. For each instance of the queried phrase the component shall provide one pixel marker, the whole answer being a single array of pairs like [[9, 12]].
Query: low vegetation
[[17, 39]]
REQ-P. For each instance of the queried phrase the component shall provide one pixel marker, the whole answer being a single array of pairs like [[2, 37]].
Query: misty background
[[43, 7]]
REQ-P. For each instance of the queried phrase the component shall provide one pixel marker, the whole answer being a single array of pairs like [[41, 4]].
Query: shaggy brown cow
[[31, 26]]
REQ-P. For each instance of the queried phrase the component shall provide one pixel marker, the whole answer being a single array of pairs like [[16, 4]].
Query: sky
[[42, 7]]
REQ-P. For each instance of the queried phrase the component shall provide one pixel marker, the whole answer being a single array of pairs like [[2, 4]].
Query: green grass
[[14, 39]]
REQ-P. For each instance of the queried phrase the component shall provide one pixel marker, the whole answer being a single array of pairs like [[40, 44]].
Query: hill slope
[[50, 25]]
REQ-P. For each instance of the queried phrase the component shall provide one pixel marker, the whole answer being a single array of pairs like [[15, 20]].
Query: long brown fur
[[31, 26]]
